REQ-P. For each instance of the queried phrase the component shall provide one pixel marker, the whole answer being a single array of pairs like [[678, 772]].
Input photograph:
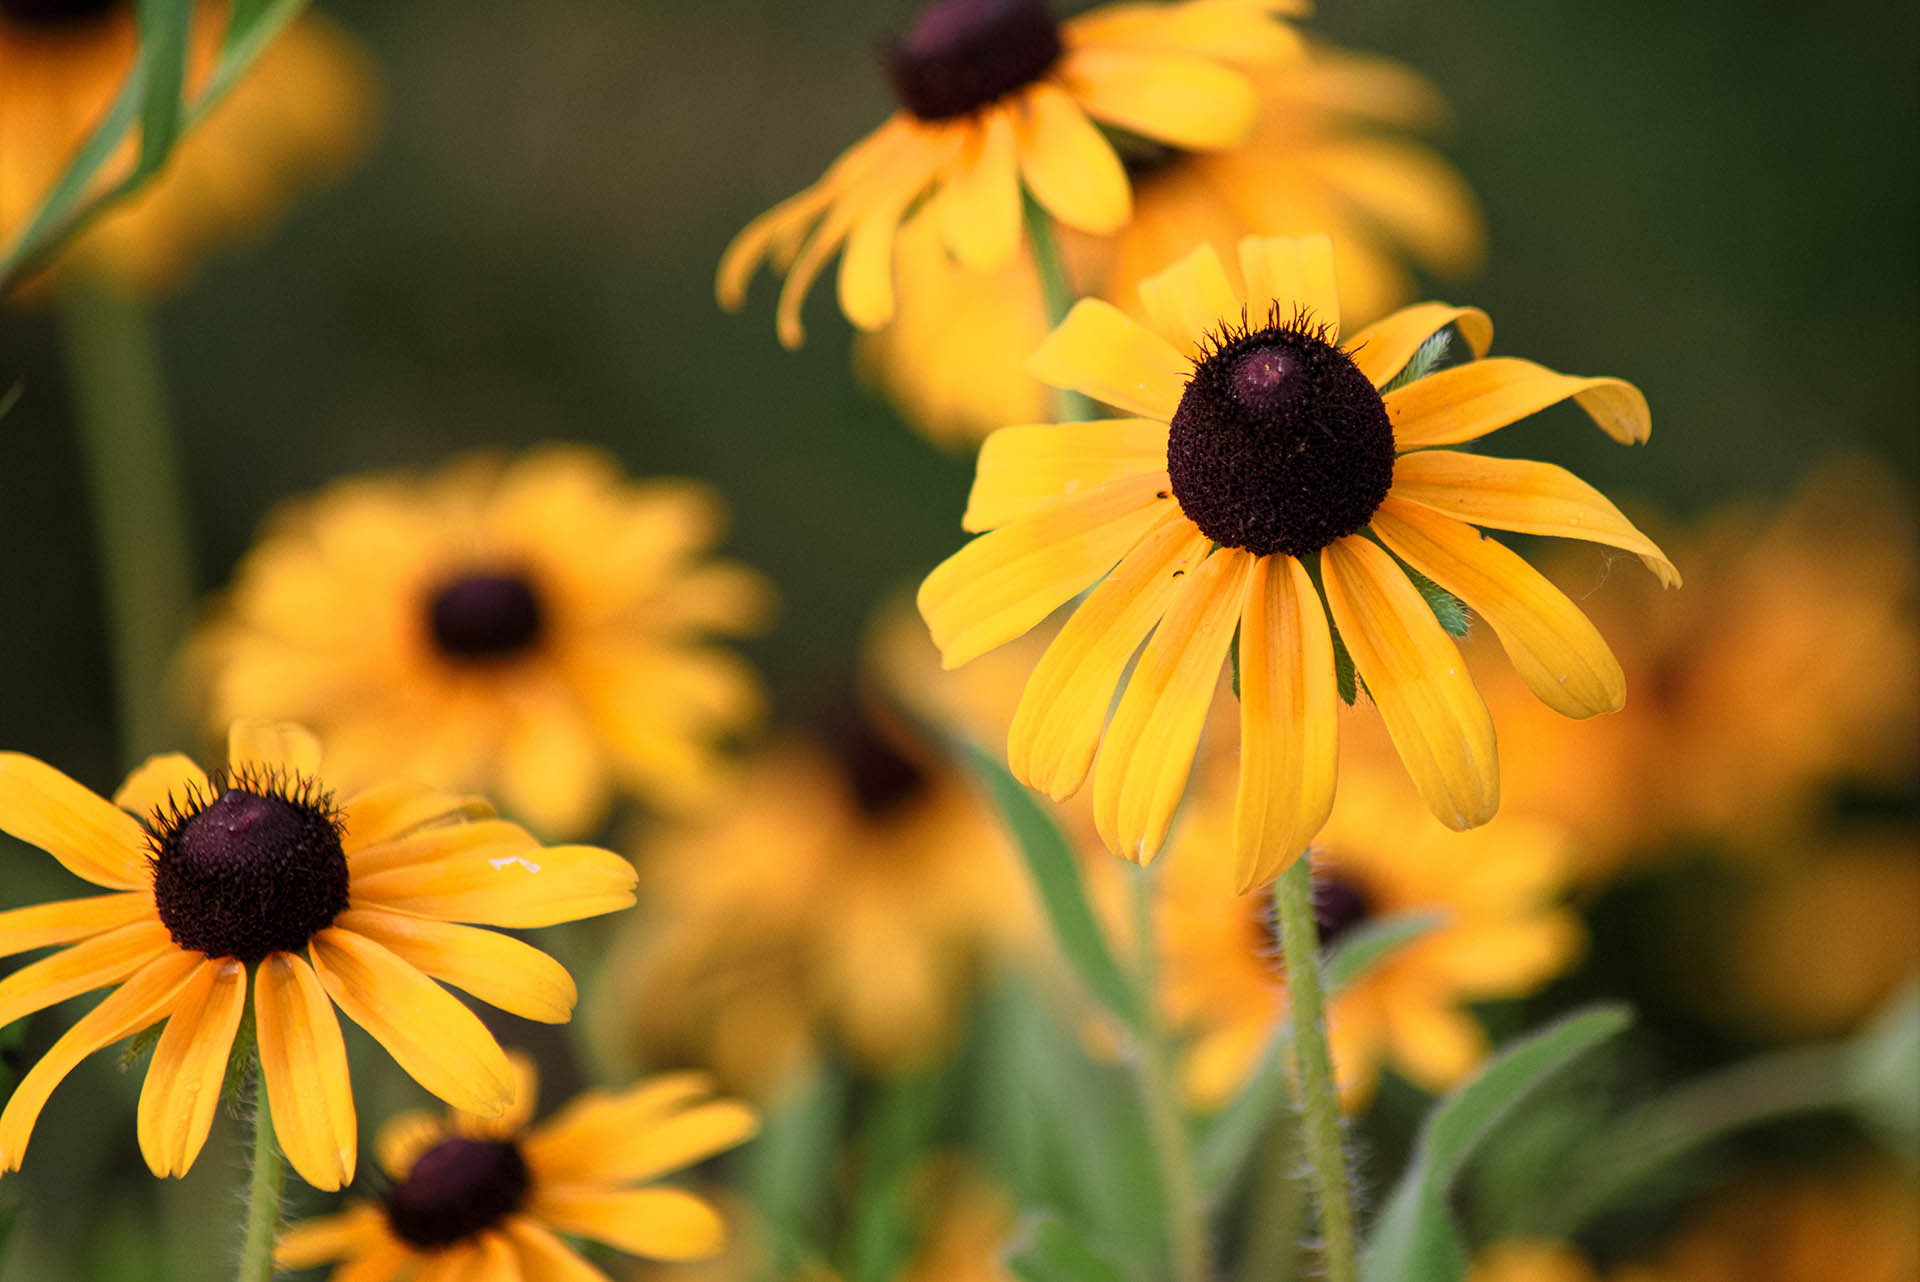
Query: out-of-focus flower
[[486, 1198], [1321, 159], [256, 871], [1264, 450], [1502, 933], [539, 630], [996, 95], [1531, 1260], [294, 122]]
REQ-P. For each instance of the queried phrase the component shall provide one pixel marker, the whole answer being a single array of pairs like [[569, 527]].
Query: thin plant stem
[[264, 1188], [1057, 290], [1160, 1103], [1327, 1172], [1271, 1245], [139, 518]]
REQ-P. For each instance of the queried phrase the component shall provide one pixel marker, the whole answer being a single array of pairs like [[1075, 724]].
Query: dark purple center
[[485, 617], [965, 54], [1339, 904], [883, 777], [57, 13], [457, 1189]]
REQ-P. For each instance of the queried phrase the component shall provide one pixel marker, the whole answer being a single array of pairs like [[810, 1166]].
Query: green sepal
[[1449, 609], [1345, 679], [140, 1047], [1233, 656], [1426, 358]]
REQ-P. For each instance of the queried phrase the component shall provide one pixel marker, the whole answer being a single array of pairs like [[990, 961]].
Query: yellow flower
[[1531, 1260], [537, 631], [1318, 161], [995, 94], [295, 121], [485, 1198], [256, 873], [1502, 933], [1262, 450]]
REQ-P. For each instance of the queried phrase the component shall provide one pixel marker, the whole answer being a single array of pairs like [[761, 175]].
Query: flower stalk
[[264, 1187], [1057, 290]]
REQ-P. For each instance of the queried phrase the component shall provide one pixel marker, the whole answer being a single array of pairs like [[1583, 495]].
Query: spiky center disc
[[485, 617], [964, 54]]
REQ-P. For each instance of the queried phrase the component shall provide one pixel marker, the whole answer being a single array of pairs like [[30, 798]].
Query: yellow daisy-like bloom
[[298, 117], [484, 1198], [995, 94], [537, 631], [256, 875], [1503, 932], [1264, 449], [1321, 159]]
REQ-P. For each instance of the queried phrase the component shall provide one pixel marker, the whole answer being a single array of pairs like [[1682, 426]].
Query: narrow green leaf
[[164, 25], [790, 1166], [1048, 1249], [1371, 944], [1415, 1236]]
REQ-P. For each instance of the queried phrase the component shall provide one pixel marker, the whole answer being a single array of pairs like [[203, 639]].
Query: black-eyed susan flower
[[257, 876], [486, 1198], [996, 95], [299, 116], [1501, 931], [539, 631], [1266, 467]]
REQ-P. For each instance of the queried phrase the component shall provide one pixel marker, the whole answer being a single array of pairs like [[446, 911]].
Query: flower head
[[1265, 450], [487, 1196], [258, 874]]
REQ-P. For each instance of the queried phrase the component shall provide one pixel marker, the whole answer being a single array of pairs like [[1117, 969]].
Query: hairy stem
[[264, 1187]]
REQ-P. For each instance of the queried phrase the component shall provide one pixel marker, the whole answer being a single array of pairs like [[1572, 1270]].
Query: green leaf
[[1048, 1249], [899, 1133], [1056, 876], [1446, 607], [1425, 359], [1233, 656], [790, 1166], [1345, 679], [1369, 945], [1415, 1236], [163, 61]]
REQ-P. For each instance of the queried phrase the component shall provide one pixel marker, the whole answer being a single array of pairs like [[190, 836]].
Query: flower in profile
[[487, 1197], [538, 631], [257, 875], [997, 94], [295, 121], [1501, 931], [1266, 466]]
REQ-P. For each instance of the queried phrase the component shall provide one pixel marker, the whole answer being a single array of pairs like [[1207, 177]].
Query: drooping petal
[[1523, 496], [979, 204], [310, 1243], [1002, 583], [1466, 402], [182, 1089], [498, 969], [94, 962], [273, 746], [389, 811], [1191, 301], [1290, 274], [1025, 470], [38, 925], [643, 1144], [1056, 727], [1383, 349], [658, 1224], [1143, 766], [1555, 648], [866, 267], [1185, 100], [304, 1060], [1419, 682], [1407, 191], [517, 888], [89, 834], [435, 1039], [1069, 165], [1101, 351], [159, 780], [1289, 722], [544, 1257]]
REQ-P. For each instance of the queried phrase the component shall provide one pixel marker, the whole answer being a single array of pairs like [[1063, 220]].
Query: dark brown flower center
[[1280, 444], [884, 777], [485, 617], [457, 1189], [964, 54], [57, 13], [1340, 903], [253, 869]]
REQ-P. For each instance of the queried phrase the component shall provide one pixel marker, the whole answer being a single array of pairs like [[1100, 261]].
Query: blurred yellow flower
[[1503, 933], [485, 1198], [1531, 1260], [997, 94], [538, 630], [256, 871], [1321, 159], [294, 122], [1262, 450]]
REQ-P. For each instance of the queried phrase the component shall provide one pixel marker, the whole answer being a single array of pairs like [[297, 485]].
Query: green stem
[[263, 1194], [1313, 1070], [1160, 1103], [1057, 290], [139, 519], [1277, 1214]]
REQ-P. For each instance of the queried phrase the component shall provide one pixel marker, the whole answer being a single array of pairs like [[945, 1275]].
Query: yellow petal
[[435, 1039], [1001, 584], [388, 1260], [1025, 470], [1437, 720], [36, 926], [1433, 1043], [94, 962], [1523, 496], [389, 811], [331, 1237], [1231, 30], [538, 886], [1100, 350], [304, 1060], [658, 1224], [866, 268], [499, 970], [143, 999], [1064, 707], [89, 834], [1555, 648], [1289, 275], [403, 1138], [544, 1257], [1069, 165], [496, 837], [1383, 349], [1289, 722], [573, 1139], [519, 1111], [642, 1147], [747, 250], [979, 205], [171, 777], [182, 1090], [1143, 766], [1467, 401], [1191, 301], [273, 746], [1191, 102], [1407, 192]]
